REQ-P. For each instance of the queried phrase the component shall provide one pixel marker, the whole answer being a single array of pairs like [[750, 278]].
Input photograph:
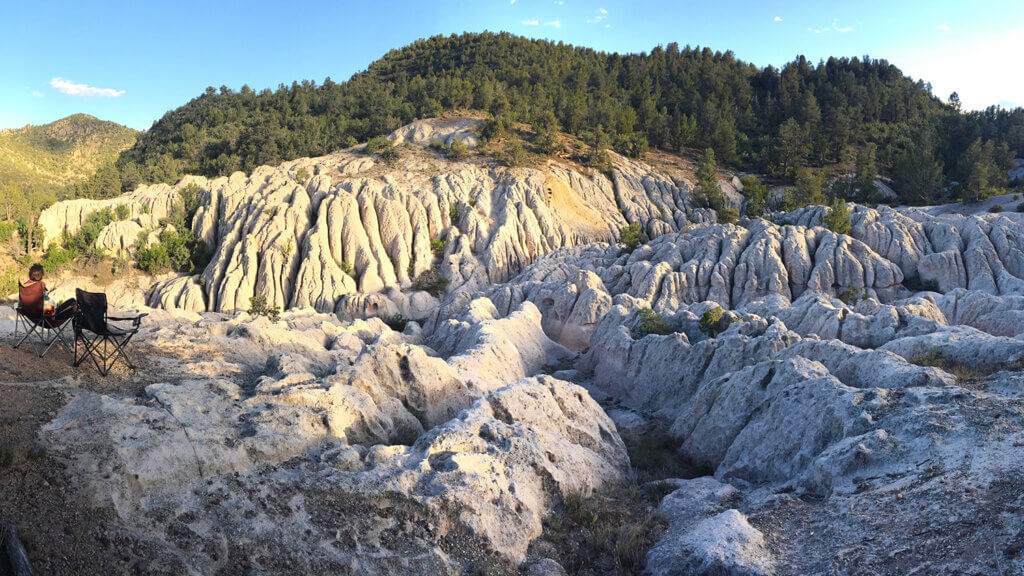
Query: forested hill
[[62, 152], [773, 120]]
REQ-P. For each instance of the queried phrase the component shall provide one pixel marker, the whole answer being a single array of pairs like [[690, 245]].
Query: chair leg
[[30, 328], [119, 351], [57, 335]]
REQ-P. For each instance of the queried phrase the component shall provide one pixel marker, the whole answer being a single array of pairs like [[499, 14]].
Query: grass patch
[[603, 533], [965, 375]]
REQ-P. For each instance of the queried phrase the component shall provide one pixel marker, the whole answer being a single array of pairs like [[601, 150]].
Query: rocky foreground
[[877, 433]]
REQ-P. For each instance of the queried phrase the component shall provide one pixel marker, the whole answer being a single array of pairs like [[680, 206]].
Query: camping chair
[[42, 326], [106, 343]]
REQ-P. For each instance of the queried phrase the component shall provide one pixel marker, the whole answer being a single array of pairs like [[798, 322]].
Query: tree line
[[773, 120]]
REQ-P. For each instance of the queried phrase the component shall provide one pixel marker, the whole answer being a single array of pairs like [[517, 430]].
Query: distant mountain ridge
[[62, 152]]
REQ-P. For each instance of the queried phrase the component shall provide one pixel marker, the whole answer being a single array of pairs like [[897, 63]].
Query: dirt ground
[[63, 531]]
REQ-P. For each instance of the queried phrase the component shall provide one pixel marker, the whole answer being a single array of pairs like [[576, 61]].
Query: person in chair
[[61, 313]]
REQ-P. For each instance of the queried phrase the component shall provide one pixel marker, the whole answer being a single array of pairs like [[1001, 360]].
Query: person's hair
[[35, 273]]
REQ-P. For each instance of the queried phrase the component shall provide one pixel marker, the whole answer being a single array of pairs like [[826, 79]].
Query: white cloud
[[554, 23], [511, 1], [38, 94], [71, 89], [778, 18], [559, 2], [601, 16], [943, 27], [844, 29], [531, 22], [607, 25]]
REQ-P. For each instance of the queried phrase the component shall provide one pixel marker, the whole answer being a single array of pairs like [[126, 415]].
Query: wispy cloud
[[70, 88], [778, 18], [531, 22], [38, 94], [600, 16], [559, 2], [554, 23], [511, 1], [943, 27], [833, 28]]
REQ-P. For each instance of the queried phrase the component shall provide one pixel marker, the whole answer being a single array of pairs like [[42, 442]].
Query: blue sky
[[132, 61]]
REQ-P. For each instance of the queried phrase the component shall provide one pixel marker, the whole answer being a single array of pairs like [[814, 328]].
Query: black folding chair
[[44, 328], [100, 340]]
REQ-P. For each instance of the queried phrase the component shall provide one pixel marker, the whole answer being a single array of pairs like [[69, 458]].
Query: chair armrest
[[133, 319]]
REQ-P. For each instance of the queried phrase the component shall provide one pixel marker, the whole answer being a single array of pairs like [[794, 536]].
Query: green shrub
[[437, 246], [728, 215], [258, 307], [122, 212], [494, 128], [7, 230], [178, 251], [513, 154], [287, 248], [432, 282], [346, 267], [396, 321], [631, 235], [56, 258], [120, 266], [851, 295], [650, 322], [714, 321], [301, 175], [377, 145], [390, 155], [454, 214], [456, 150], [757, 196], [997, 208], [838, 217]]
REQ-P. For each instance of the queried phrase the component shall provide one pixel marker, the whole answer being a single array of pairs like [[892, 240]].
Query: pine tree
[[709, 193], [838, 218], [791, 147], [917, 175], [866, 170], [810, 187], [756, 194]]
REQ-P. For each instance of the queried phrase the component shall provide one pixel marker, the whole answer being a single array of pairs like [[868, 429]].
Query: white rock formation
[[855, 385]]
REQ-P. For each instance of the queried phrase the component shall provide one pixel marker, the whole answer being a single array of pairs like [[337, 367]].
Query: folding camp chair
[[100, 340], [41, 326]]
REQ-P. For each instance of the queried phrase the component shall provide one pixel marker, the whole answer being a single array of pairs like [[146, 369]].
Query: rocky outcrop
[[457, 441], [851, 387]]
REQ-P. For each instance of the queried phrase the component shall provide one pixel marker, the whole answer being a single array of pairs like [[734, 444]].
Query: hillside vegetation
[[62, 152], [62, 159], [777, 121]]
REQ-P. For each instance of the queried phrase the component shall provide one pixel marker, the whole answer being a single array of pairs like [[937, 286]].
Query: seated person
[[61, 313]]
